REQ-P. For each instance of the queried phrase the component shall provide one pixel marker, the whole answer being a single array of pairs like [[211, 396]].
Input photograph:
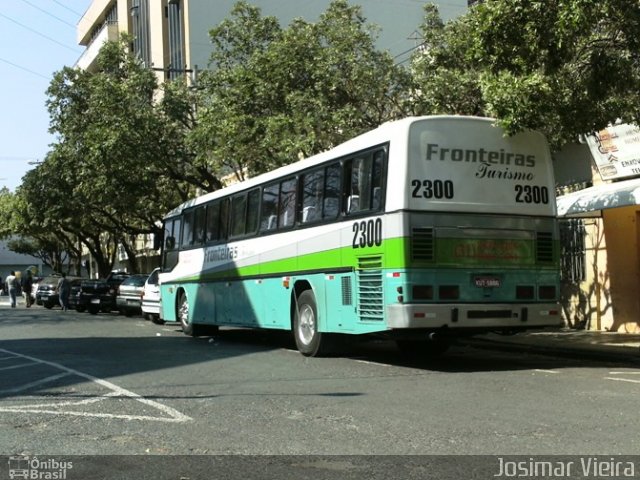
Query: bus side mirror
[[157, 241], [170, 243]]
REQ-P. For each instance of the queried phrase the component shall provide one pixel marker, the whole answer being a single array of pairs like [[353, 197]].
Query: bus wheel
[[182, 312], [190, 328], [310, 342]]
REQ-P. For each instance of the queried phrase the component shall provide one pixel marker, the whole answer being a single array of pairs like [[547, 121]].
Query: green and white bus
[[420, 230]]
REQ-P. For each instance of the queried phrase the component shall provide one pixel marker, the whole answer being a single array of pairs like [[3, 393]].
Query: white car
[[151, 298]]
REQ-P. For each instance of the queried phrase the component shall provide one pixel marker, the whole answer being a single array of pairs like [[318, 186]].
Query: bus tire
[[182, 314], [190, 328], [309, 341]]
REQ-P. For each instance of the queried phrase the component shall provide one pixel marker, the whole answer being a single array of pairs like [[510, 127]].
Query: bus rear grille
[[422, 245], [347, 294], [369, 276], [544, 247]]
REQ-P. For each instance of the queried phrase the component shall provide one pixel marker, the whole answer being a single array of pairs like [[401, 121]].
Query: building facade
[[172, 36], [599, 204], [17, 262]]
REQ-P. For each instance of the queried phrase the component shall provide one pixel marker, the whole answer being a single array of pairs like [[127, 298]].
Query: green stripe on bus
[[395, 253]]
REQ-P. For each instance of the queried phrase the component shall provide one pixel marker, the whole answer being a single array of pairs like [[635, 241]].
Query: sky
[[37, 39]]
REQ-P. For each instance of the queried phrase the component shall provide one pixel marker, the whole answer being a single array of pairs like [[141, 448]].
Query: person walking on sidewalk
[[26, 282], [12, 287], [64, 289]]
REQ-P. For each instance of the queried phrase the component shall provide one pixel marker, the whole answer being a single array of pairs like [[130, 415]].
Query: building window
[[176, 39], [141, 31], [572, 251]]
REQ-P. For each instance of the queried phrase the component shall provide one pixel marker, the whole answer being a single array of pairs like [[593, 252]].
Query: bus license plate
[[95, 300], [487, 282]]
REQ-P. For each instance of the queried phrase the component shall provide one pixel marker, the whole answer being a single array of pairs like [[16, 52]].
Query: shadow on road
[[96, 346]]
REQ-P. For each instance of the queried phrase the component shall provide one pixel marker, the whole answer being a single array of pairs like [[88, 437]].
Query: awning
[[590, 201]]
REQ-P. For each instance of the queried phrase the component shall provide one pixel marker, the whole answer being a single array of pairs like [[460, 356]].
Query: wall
[[622, 233]]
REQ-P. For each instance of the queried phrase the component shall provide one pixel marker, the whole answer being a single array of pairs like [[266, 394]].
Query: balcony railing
[[109, 32]]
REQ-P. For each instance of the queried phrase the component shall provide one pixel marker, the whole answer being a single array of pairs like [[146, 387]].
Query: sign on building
[[616, 151]]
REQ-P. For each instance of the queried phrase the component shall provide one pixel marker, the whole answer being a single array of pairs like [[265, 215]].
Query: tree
[[114, 148], [565, 67], [276, 95], [445, 79]]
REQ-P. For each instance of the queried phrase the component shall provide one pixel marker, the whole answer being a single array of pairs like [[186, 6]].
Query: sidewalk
[[611, 346]]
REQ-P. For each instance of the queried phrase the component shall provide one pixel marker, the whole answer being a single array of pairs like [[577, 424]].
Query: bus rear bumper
[[483, 316]]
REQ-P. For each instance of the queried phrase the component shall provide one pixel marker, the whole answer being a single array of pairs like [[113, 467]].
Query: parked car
[[46, 294], [151, 297], [74, 296], [129, 297], [100, 295]]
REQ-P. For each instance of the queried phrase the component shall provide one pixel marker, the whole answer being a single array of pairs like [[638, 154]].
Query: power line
[[25, 69], [38, 33], [47, 13], [64, 6]]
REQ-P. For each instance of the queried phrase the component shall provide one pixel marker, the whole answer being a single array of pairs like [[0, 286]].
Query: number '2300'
[[367, 233]]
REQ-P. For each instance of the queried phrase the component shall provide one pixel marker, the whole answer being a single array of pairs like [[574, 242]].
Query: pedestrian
[[12, 287], [26, 282], [64, 289]]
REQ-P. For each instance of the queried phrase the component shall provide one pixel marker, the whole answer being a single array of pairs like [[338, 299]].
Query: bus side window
[[187, 230], [363, 189], [224, 219], [238, 215], [253, 210], [199, 225], [213, 222], [269, 210], [331, 204], [312, 196], [376, 179], [287, 207]]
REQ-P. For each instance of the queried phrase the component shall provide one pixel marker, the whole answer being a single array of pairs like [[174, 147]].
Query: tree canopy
[[129, 148]]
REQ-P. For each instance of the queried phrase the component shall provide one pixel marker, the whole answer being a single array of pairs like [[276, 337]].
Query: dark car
[[100, 295], [129, 298], [74, 295], [47, 293]]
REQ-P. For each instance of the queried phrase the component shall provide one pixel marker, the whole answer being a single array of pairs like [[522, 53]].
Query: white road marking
[[174, 416], [624, 373], [22, 365], [618, 379], [545, 371], [42, 381]]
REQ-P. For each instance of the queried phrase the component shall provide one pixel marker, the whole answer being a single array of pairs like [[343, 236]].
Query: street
[[79, 384]]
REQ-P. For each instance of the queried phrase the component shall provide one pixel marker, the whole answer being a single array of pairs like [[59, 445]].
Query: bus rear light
[[422, 292], [419, 315], [449, 292], [286, 281], [400, 298], [395, 274], [525, 292], [547, 292]]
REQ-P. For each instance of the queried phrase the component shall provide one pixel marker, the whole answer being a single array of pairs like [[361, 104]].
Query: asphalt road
[[78, 384]]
